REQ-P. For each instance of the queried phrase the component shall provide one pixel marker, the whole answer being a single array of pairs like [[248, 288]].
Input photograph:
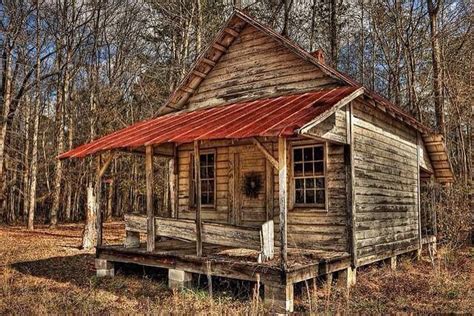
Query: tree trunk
[[89, 237], [26, 172], [7, 99], [437, 66], [36, 117]]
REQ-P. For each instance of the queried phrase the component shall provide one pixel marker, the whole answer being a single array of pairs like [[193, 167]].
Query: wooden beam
[[197, 174], [209, 62], [173, 183], [283, 200], [351, 189], [106, 165], [418, 185], [199, 74], [187, 89], [334, 108], [231, 32], [269, 187], [219, 47], [265, 152], [150, 242]]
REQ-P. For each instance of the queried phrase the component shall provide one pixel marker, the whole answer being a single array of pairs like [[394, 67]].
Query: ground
[[44, 271]]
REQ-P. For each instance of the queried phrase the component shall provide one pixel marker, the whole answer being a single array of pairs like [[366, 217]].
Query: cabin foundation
[[347, 277], [179, 279], [279, 298], [392, 261], [104, 268]]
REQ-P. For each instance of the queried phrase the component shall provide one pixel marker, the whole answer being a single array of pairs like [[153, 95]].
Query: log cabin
[[281, 169]]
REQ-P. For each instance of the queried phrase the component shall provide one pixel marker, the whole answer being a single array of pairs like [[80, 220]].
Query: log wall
[[386, 177]]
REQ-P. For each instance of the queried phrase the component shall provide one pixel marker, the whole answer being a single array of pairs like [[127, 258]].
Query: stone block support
[[178, 279], [104, 268], [132, 239], [393, 262], [347, 277], [279, 298]]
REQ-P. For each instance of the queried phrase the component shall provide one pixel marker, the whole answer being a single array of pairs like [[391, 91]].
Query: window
[[308, 174], [207, 177]]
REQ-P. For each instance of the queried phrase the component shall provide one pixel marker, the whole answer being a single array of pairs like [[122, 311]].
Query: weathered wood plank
[[150, 211]]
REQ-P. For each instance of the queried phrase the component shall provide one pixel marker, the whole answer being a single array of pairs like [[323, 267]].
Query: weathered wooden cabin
[[281, 169]]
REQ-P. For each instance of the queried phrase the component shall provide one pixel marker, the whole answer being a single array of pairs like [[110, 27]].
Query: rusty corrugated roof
[[278, 116]]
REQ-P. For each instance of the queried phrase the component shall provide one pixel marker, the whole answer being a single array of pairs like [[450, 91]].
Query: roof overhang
[[438, 154], [269, 117]]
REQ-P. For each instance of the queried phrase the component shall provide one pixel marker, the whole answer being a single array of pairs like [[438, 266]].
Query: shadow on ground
[[79, 270]]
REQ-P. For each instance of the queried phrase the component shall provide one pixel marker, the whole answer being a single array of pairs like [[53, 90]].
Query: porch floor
[[229, 262]]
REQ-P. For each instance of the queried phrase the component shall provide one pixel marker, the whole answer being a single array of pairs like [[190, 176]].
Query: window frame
[[192, 184], [313, 206]]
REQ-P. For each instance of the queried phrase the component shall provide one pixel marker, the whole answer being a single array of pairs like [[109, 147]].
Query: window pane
[[298, 154], [320, 197], [203, 159], [320, 183], [298, 183], [309, 183], [210, 171], [299, 197], [318, 167], [211, 186], [318, 153], [204, 198], [204, 186], [308, 169], [308, 154], [210, 159], [298, 169], [203, 172], [309, 196], [211, 198]]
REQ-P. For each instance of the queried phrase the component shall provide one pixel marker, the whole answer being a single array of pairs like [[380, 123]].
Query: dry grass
[[44, 272]]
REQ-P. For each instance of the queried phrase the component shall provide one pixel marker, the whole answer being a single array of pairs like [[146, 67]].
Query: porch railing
[[261, 239]]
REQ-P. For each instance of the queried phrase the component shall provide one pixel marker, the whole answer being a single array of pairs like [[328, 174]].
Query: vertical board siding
[[256, 66], [385, 158]]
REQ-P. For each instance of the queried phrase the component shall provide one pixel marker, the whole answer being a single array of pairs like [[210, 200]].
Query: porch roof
[[277, 116]]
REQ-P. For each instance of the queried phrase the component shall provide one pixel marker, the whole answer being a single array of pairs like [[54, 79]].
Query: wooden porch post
[[150, 242], [172, 176], [197, 178], [283, 198], [101, 169]]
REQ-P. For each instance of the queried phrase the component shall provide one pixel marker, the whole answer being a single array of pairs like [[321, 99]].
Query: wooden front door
[[251, 186]]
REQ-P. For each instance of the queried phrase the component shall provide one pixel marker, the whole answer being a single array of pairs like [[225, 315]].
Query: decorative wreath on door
[[252, 184]]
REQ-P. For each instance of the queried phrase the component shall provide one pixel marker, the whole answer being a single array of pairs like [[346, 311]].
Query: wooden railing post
[[268, 244], [283, 198], [197, 177], [150, 241]]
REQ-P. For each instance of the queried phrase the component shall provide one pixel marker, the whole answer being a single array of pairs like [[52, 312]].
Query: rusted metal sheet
[[279, 116]]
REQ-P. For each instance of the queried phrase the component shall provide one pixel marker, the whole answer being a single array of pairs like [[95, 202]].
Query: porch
[[229, 251]]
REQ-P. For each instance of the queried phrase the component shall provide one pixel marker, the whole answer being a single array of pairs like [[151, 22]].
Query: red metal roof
[[278, 116]]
